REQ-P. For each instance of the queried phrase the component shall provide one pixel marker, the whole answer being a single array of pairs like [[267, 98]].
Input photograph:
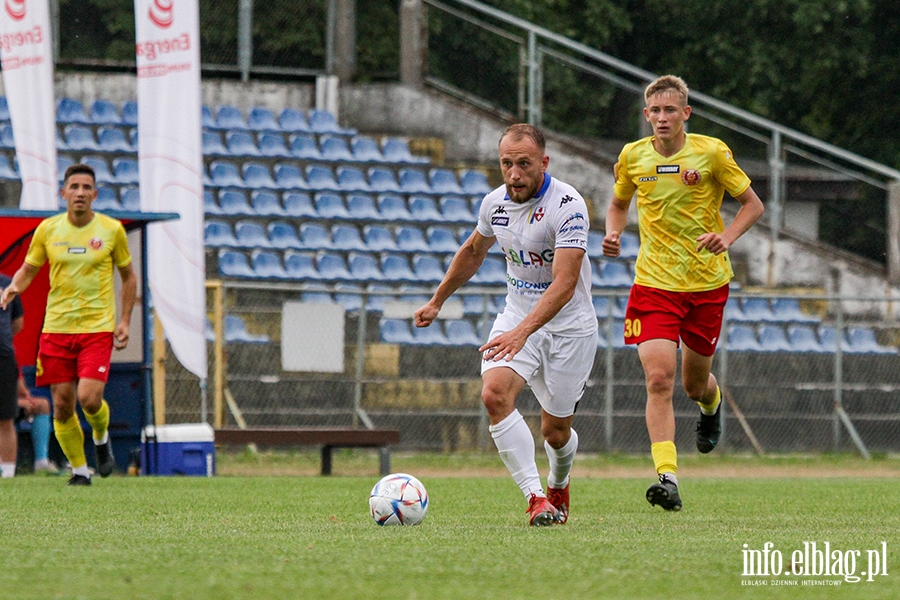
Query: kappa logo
[[15, 9], [500, 217], [162, 13], [566, 200]]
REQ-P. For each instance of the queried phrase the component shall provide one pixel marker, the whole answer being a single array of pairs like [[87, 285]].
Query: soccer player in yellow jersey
[[682, 269], [80, 327]]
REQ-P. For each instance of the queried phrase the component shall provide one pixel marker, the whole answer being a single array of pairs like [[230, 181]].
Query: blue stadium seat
[[828, 339], [461, 332], [273, 145], [602, 305], [335, 149], [80, 138], [62, 163], [225, 174], [772, 338], [346, 238], [733, 311], [362, 207], [376, 301], [351, 179], [316, 292], [129, 113], [130, 198], [411, 239], [69, 110], [125, 170], [104, 112], [424, 210], [395, 331], [364, 266], [236, 331], [207, 120], [262, 119], [396, 268], [234, 203], [233, 263], [283, 235], [257, 176], [443, 181], [293, 120], [113, 139], [332, 267], [615, 274], [396, 150], [267, 264], [101, 169], [413, 181], [474, 183], [266, 203], [803, 339], [491, 272], [299, 205], [314, 236], [348, 295], [441, 240], [433, 335], [106, 200], [241, 143], [321, 179], [631, 243], [251, 234], [757, 309], [300, 265], [595, 247], [290, 177], [393, 208], [230, 117], [4, 109], [365, 149], [741, 338], [211, 143], [788, 310], [330, 206], [322, 122], [7, 140], [379, 239], [305, 147], [863, 340], [428, 269], [456, 209], [382, 180]]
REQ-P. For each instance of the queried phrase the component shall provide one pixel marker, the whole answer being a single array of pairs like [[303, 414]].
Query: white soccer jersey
[[529, 234]]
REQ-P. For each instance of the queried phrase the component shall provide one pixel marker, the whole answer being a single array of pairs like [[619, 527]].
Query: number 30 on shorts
[[632, 328]]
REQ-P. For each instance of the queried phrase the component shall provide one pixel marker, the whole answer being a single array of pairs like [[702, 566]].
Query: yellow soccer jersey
[[678, 200], [82, 298]]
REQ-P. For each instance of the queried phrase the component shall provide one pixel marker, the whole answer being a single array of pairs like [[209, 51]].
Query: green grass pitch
[[284, 537]]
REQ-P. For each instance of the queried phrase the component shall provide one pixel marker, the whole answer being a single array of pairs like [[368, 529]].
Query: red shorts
[[692, 317], [64, 357]]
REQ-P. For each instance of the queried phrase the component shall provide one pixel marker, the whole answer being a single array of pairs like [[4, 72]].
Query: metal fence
[[791, 384]]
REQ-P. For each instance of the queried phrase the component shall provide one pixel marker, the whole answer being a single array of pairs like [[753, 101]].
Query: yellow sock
[[710, 409], [665, 457], [99, 422], [71, 440]]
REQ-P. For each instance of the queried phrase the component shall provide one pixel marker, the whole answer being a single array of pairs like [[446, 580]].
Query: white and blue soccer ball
[[398, 499]]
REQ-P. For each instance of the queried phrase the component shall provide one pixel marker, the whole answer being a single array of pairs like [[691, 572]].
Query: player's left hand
[[713, 242], [120, 337]]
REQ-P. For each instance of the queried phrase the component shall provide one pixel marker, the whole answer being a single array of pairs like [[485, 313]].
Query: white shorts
[[555, 367]]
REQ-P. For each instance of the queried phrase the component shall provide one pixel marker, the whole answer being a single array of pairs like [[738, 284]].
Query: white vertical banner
[[27, 62], [171, 170]]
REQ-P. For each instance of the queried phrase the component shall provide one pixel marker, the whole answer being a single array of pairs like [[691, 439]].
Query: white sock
[[102, 441], [515, 443], [8, 469], [561, 462], [41, 463], [82, 471]]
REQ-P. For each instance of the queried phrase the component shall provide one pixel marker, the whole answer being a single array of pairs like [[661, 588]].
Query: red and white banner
[[171, 170], [27, 62]]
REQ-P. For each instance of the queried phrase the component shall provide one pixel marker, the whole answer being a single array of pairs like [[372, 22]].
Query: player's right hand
[[612, 245], [425, 315], [9, 293]]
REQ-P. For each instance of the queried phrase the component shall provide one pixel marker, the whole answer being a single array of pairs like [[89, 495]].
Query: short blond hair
[[668, 83], [520, 131]]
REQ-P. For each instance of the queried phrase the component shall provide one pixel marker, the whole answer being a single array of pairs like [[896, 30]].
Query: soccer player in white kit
[[546, 336]]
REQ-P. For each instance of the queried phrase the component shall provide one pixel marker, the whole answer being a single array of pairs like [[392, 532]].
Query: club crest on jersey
[[96, 243], [691, 177], [537, 215]]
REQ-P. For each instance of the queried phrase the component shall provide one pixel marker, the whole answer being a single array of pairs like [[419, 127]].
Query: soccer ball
[[398, 499]]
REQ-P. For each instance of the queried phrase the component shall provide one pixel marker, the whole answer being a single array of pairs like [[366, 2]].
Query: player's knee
[[557, 437], [660, 382], [495, 400]]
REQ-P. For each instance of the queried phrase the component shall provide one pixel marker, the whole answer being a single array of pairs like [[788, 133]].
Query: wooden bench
[[325, 438]]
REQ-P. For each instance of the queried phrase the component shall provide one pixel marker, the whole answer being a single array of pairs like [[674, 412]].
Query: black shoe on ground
[[665, 494], [105, 460], [79, 480], [709, 427]]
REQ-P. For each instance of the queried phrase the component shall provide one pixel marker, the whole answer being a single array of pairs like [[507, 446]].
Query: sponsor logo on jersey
[[527, 258], [60, 244], [665, 169], [566, 199], [521, 285], [537, 215], [500, 217], [80, 250], [96, 243], [645, 179], [691, 177]]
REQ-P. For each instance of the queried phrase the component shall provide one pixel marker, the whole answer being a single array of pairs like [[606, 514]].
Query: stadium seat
[[630, 244], [4, 110], [236, 331], [423, 209], [741, 338], [335, 149], [461, 332], [427, 268], [602, 305], [491, 272], [293, 120], [80, 138], [395, 331], [323, 122], [316, 292], [788, 310], [377, 298], [230, 117], [332, 267], [225, 174], [314, 236], [803, 339], [241, 143], [393, 208], [211, 143], [102, 173], [365, 149], [346, 238], [433, 335], [396, 269], [69, 110], [305, 147], [330, 206], [251, 234], [273, 145], [862, 339], [396, 150], [757, 309], [106, 200], [321, 179], [7, 140], [362, 208], [62, 163], [267, 264], [379, 239], [207, 120], [733, 312], [290, 177], [772, 338], [456, 209], [282, 235], [441, 240], [474, 183], [257, 176], [233, 263], [364, 266], [382, 180], [828, 339], [443, 181], [299, 265], [130, 198], [129, 116], [262, 119], [299, 205], [595, 247], [125, 171], [265, 204], [234, 203], [411, 238], [351, 179], [348, 295], [113, 139], [615, 274], [413, 181], [104, 112]]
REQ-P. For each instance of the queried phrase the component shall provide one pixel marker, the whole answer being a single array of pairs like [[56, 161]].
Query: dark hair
[[525, 130], [79, 169]]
